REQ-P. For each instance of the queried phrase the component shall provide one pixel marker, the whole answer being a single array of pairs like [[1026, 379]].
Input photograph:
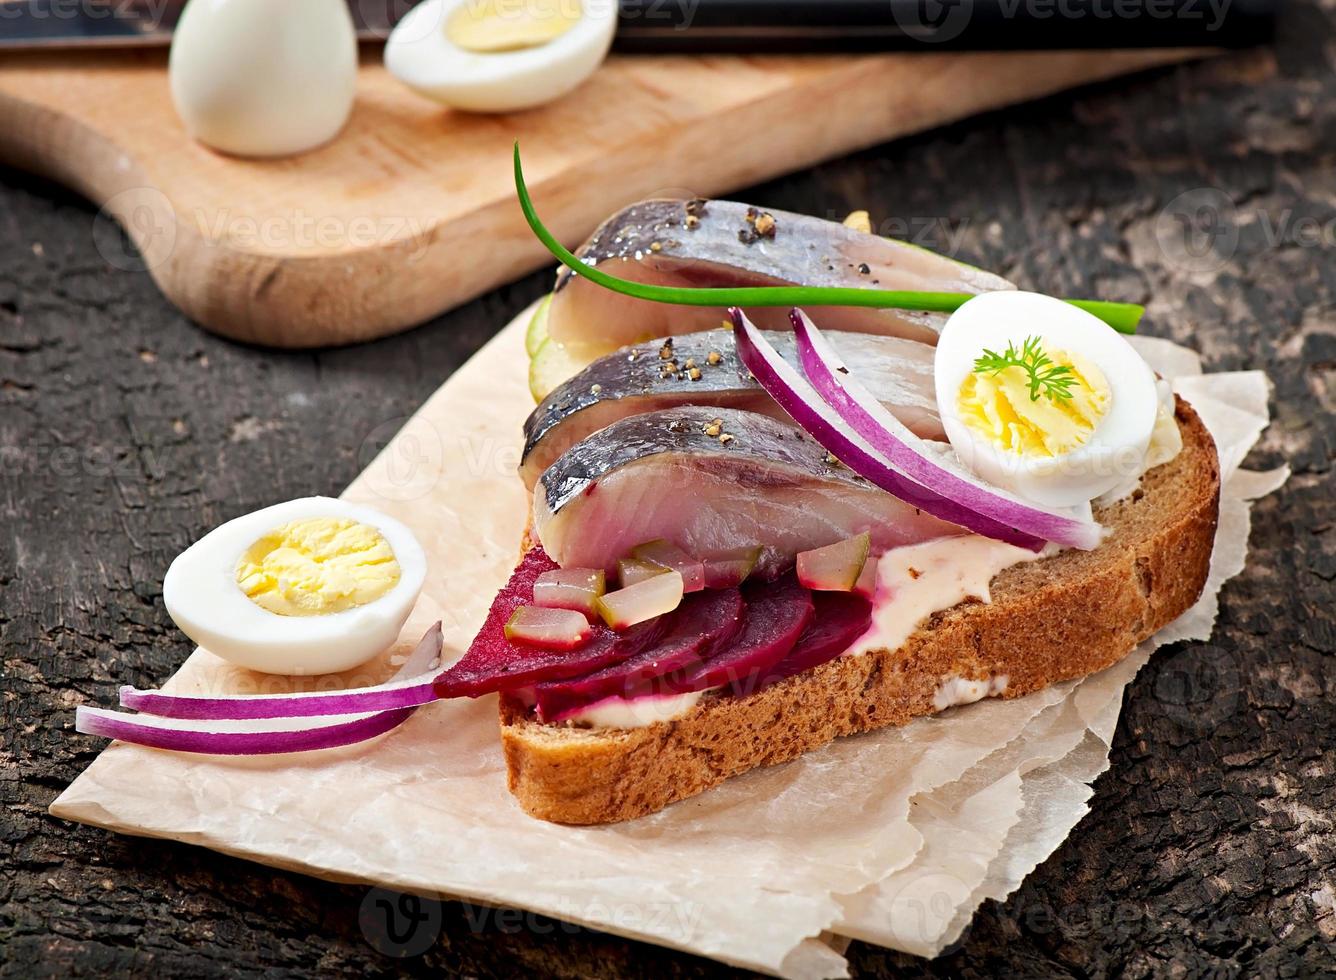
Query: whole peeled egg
[[310, 586], [500, 55], [258, 78], [1042, 398]]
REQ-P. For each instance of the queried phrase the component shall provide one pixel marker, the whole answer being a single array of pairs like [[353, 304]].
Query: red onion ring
[[411, 686], [837, 386], [795, 395], [250, 737]]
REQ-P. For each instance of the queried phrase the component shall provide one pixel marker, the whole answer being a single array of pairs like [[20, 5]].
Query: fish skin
[[631, 380], [658, 475], [804, 250]]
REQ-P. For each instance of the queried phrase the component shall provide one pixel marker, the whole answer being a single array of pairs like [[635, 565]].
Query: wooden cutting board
[[412, 210]]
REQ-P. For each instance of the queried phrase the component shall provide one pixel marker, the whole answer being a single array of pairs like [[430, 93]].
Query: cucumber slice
[[537, 332], [550, 366]]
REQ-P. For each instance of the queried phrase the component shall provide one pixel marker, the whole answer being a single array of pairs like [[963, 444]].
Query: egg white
[[420, 55], [1116, 449], [202, 596]]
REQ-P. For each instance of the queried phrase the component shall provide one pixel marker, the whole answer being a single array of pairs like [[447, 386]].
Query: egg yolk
[[492, 26], [998, 408], [317, 566]]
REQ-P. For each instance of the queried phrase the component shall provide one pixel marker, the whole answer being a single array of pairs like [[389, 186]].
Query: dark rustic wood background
[[125, 433]]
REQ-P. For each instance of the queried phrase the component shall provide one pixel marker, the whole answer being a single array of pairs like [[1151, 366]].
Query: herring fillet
[[758, 483], [640, 379], [711, 243]]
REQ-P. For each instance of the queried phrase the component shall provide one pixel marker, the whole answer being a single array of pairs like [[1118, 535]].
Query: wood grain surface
[[411, 210], [1209, 850]]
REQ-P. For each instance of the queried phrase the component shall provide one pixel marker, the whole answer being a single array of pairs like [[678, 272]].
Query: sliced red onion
[[910, 455], [796, 396], [233, 737], [411, 685]]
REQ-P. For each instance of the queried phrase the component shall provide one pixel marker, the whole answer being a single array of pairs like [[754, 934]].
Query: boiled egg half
[[1043, 399], [500, 55], [310, 586]]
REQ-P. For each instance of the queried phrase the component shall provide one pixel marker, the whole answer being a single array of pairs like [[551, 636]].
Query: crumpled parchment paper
[[894, 837]]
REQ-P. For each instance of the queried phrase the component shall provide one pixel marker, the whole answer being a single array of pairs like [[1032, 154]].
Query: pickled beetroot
[[494, 663], [777, 614], [705, 623], [840, 618]]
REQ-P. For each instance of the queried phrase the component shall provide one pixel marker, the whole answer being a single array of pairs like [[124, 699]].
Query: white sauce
[[618, 712], [912, 583], [918, 580], [958, 690]]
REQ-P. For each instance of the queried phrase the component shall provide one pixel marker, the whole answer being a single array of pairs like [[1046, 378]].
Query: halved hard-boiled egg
[[500, 55], [310, 586], [1041, 398]]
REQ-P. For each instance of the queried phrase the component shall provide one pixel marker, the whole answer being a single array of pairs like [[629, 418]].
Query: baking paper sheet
[[894, 837]]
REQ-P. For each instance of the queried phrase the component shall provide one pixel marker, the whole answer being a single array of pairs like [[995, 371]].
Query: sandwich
[[789, 481], [757, 529]]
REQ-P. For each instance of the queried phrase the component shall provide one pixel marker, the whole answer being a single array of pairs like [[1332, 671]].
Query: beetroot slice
[[777, 615], [494, 663], [704, 623], [840, 618]]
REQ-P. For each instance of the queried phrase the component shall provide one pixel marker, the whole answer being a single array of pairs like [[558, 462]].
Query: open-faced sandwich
[[756, 530], [789, 481]]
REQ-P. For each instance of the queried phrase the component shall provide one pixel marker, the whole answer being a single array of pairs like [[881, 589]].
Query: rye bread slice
[[1062, 617]]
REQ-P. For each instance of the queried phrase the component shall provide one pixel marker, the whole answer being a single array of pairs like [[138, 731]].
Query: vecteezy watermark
[[933, 21], [920, 909], [678, 15], [380, 16], [400, 925], [672, 921], [937, 233], [302, 230], [940, 21], [1198, 688], [135, 230], [408, 454], [1200, 230], [148, 13], [138, 229], [98, 461], [431, 21]]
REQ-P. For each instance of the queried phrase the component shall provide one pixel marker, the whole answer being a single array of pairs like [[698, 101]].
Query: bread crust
[[1058, 618]]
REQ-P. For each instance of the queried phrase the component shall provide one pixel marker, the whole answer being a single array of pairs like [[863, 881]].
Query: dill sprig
[[1045, 377], [1122, 317]]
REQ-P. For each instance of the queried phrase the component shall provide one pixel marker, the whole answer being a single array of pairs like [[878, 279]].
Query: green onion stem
[[1123, 317]]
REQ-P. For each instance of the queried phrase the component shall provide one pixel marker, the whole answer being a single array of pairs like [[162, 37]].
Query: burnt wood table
[[1207, 192]]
